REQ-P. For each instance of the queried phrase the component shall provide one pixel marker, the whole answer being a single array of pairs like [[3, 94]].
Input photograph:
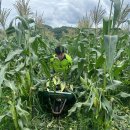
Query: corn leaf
[[1, 117], [113, 85], [11, 85], [85, 83], [12, 54], [75, 107], [2, 76], [106, 105], [110, 49], [124, 95], [19, 67], [34, 43]]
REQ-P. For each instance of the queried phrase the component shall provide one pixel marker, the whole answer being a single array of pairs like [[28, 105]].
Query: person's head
[[59, 50]]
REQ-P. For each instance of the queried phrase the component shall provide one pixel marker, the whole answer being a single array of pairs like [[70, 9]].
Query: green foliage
[[99, 77], [106, 25]]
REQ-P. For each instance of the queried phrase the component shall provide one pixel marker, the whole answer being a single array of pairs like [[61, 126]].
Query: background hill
[[58, 31]]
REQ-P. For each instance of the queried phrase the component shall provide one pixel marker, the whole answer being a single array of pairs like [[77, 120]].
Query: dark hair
[[59, 49]]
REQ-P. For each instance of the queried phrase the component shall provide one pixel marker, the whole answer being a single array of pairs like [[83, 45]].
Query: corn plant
[[99, 80], [23, 8], [21, 64]]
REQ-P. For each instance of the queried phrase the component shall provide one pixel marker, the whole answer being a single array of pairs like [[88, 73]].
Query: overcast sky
[[60, 12]]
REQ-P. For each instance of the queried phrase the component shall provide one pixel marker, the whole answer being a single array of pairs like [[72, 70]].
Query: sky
[[57, 13]]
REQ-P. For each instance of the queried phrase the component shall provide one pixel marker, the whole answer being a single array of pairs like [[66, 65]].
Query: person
[[60, 64], [61, 61]]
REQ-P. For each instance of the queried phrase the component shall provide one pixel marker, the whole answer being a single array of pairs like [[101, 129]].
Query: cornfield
[[99, 75]]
